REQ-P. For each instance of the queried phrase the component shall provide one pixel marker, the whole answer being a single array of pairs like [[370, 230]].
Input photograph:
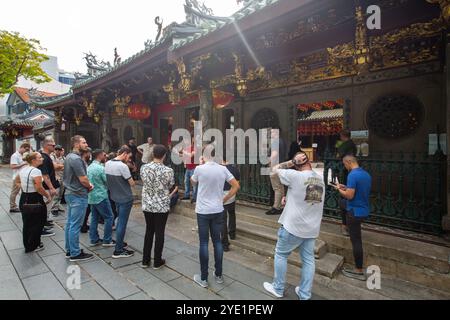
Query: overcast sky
[[69, 28]]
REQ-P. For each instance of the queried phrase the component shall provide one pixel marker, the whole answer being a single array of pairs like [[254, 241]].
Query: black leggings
[[354, 229], [155, 226], [33, 223]]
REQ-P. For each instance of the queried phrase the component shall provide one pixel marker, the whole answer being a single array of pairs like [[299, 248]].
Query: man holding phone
[[356, 192], [300, 223]]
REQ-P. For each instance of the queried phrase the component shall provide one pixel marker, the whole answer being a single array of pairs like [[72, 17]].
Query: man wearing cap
[[300, 224], [58, 162]]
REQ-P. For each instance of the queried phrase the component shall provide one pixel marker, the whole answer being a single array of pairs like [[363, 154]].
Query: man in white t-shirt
[[17, 163], [146, 151], [300, 223], [211, 178]]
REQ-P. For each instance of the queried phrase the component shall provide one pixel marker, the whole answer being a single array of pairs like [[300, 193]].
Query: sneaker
[[15, 210], [226, 248], [159, 265], [352, 273], [84, 229], [49, 224], [82, 257], [219, 280], [124, 254], [274, 212], [269, 288], [145, 265], [67, 255], [55, 213], [297, 291], [97, 243], [48, 228], [110, 244], [47, 233], [198, 280], [39, 248]]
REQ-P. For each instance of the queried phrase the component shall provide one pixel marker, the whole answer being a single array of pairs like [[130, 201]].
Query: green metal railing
[[408, 190]]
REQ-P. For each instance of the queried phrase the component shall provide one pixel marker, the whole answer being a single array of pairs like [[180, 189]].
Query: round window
[[395, 116]]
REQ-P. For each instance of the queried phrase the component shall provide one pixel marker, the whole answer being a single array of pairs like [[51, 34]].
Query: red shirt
[[191, 165]]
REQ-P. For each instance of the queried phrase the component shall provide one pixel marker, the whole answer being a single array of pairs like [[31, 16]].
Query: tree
[[20, 56]]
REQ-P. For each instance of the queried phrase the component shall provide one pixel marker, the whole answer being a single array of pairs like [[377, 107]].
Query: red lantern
[[139, 111], [222, 99]]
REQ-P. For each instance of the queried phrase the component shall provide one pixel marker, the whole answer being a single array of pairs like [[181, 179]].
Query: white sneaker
[[219, 280], [200, 282], [297, 291], [269, 288]]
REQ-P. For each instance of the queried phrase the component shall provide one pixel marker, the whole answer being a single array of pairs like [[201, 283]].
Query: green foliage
[[20, 56]]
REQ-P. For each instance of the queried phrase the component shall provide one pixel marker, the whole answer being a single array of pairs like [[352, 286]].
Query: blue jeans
[[210, 223], [187, 185], [104, 210], [287, 243], [123, 211], [76, 211]]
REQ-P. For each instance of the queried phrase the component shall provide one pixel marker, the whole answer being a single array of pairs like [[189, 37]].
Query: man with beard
[[77, 188]]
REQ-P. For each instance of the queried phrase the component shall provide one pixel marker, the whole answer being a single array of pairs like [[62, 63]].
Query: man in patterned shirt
[[157, 180]]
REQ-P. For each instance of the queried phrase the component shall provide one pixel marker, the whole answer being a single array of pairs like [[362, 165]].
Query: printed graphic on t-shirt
[[314, 190]]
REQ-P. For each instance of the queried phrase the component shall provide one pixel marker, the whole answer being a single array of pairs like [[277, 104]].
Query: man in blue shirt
[[357, 192]]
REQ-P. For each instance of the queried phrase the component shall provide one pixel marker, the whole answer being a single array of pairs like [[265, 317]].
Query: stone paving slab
[[139, 276], [58, 264], [45, 287], [27, 265], [138, 296], [51, 248], [117, 263], [90, 290], [112, 282], [12, 240], [239, 291], [165, 274], [4, 258], [10, 286], [161, 291], [192, 290]]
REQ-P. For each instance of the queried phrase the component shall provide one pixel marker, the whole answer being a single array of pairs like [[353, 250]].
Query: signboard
[[433, 143], [361, 139]]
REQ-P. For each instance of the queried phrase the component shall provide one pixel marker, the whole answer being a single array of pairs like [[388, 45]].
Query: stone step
[[329, 265], [269, 235], [255, 229], [411, 260]]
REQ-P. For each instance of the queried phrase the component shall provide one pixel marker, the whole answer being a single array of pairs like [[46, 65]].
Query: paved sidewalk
[[43, 275]]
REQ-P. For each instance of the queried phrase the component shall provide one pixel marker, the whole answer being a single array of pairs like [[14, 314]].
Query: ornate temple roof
[[199, 23]]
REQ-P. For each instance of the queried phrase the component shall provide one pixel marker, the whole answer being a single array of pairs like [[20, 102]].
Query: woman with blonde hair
[[32, 204]]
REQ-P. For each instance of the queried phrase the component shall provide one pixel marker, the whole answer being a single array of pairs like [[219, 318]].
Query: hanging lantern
[[139, 111], [221, 99]]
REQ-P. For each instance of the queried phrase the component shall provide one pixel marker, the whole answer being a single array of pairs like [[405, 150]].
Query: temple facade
[[309, 67]]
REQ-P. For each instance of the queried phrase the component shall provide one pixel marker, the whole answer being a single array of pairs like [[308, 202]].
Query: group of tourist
[[105, 186]]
